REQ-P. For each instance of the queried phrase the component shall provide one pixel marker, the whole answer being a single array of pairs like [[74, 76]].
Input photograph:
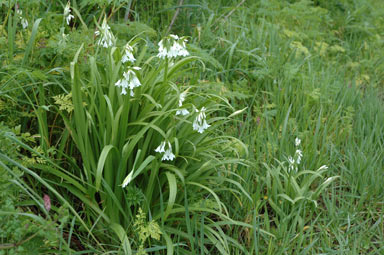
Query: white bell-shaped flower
[[129, 81], [200, 124], [172, 46], [182, 112], [128, 54], [107, 38], [182, 97], [168, 155], [24, 21]]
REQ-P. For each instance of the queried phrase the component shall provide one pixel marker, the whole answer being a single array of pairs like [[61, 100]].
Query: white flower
[[107, 39], [129, 81], [182, 98], [128, 56], [182, 112], [291, 162], [172, 46], [200, 123], [24, 23], [297, 141], [67, 13], [168, 155], [68, 18], [299, 155], [161, 147]]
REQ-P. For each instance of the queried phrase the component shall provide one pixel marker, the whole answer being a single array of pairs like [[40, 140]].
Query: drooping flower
[[299, 155], [200, 123], [128, 56], [291, 162], [67, 13], [182, 98], [129, 81], [172, 46], [296, 159], [161, 147], [24, 21], [107, 39], [168, 155], [182, 112]]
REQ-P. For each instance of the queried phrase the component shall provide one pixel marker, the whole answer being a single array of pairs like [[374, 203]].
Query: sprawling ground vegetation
[[191, 127]]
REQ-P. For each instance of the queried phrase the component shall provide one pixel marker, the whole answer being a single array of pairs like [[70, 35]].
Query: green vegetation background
[[307, 69]]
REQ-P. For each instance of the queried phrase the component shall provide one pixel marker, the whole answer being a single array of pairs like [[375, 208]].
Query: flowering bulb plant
[[154, 145], [292, 187]]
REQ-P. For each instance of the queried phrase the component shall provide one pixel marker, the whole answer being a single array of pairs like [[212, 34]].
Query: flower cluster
[[200, 123], [128, 54], [296, 159], [24, 21], [67, 13], [168, 155], [172, 46], [107, 39], [182, 111], [129, 81]]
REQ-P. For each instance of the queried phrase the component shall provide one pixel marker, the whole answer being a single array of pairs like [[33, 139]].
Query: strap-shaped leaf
[[172, 193], [123, 238], [101, 163]]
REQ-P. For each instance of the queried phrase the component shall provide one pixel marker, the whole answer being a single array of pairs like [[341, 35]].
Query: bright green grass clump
[[281, 151]]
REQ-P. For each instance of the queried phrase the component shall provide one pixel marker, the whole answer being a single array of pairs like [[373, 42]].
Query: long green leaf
[[100, 165], [31, 41]]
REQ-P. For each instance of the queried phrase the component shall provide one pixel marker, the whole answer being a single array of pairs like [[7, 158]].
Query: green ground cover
[[281, 151]]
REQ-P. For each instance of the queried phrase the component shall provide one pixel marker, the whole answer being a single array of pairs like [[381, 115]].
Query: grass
[[278, 69]]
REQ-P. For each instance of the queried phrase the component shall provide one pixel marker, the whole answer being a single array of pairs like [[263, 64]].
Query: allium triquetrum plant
[[144, 131], [290, 189]]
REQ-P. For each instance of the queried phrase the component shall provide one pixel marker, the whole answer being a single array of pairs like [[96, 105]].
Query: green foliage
[[21, 230], [278, 69], [120, 135]]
